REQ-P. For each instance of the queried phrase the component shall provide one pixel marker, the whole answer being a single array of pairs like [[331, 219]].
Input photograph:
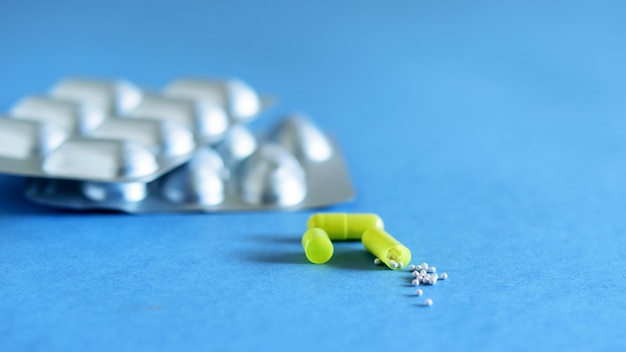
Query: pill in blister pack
[[208, 121], [113, 97], [74, 118], [294, 166], [239, 100]]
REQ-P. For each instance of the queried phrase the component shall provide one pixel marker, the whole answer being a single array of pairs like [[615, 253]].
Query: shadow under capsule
[[288, 249]]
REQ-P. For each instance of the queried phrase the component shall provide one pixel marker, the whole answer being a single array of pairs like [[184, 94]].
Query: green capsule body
[[343, 226], [386, 248], [317, 246]]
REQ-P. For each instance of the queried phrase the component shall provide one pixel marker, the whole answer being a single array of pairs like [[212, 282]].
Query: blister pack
[[109, 145]]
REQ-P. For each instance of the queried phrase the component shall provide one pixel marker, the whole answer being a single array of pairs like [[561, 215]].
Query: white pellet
[[435, 276], [412, 267], [444, 276], [415, 282], [419, 292], [415, 274], [400, 264], [418, 267], [423, 272], [432, 269], [377, 261], [424, 265], [428, 302]]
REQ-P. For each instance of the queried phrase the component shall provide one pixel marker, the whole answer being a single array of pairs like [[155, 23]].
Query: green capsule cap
[[317, 246]]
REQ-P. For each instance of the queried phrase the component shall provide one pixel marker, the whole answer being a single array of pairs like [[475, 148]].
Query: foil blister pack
[[94, 144]]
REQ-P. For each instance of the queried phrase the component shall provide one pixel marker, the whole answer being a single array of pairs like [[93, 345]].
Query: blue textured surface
[[489, 136]]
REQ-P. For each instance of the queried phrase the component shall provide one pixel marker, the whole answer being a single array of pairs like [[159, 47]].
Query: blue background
[[489, 136]]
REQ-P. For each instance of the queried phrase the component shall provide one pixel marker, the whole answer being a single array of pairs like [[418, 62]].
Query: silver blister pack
[[112, 131], [94, 144], [293, 166]]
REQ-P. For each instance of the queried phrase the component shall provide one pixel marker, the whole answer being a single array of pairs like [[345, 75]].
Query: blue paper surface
[[490, 136]]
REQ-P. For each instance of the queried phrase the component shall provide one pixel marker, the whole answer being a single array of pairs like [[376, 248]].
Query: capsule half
[[386, 248], [317, 246]]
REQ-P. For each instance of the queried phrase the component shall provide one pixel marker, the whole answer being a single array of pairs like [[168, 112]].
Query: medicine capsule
[[384, 246], [343, 226], [317, 246]]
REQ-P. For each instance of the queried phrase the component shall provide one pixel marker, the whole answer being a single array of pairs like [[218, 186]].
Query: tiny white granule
[[418, 267], [433, 281], [424, 265], [400, 264], [423, 272], [434, 276], [432, 269], [415, 274], [419, 292], [412, 267], [377, 261], [415, 282], [428, 302], [444, 276], [392, 263]]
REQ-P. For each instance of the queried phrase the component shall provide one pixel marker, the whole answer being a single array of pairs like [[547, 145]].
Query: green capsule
[[343, 226], [383, 246], [317, 246]]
